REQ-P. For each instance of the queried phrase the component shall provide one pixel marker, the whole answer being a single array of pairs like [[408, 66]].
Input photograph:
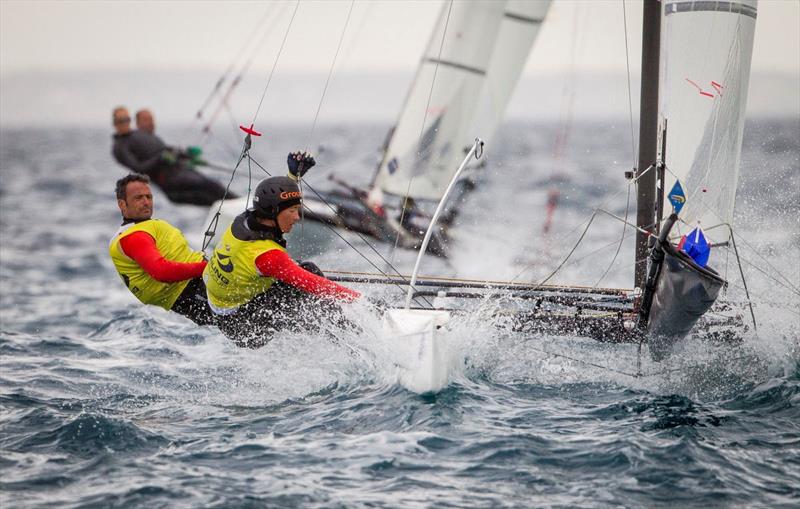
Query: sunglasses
[[123, 120]]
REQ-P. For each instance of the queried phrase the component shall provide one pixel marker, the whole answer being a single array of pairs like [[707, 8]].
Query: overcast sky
[[383, 35]]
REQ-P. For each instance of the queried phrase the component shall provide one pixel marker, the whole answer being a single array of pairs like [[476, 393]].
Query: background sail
[[428, 161], [706, 53], [522, 20]]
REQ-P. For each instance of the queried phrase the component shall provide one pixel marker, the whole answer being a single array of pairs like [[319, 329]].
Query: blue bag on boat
[[696, 246]]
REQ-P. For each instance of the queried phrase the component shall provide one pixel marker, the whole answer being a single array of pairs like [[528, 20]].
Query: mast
[[648, 134]]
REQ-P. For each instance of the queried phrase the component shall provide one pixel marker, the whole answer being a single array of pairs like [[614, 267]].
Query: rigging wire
[[353, 43], [628, 69], [591, 217], [221, 80], [275, 63], [316, 115], [224, 102], [211, 230], [638, 374], [633, 145], [621, 239], [753, 248], [360, 236], [422, 128], [212, 227], [330, 74], [750, 263]]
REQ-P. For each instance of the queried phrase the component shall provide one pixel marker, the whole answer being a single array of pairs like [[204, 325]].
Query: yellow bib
[[231, 276], [172, 245]]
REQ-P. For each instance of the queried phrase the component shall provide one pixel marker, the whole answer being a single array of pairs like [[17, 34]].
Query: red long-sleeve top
[[141, 246], [276, 263]]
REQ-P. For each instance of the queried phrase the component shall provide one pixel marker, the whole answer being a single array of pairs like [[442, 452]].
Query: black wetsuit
[[193, 303], [142, 152], [281, 308]]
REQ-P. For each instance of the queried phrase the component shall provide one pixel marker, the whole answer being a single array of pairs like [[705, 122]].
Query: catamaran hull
[[421, 354], [683, 294], [324, 213]]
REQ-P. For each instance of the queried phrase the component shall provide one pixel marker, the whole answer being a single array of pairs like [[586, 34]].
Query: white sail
[[522, 20], [419, 160], [706, 53]]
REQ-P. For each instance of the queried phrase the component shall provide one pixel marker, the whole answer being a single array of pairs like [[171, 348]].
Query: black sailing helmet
[[274, 195]]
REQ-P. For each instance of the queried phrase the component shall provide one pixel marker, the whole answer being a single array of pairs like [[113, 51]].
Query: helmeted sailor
[[253, 286], [153, 257], [171, 168]]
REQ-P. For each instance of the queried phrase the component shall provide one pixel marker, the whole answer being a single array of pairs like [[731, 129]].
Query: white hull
[[422, 356]]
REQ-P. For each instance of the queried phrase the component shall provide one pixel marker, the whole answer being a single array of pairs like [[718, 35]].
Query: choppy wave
[[106, 403]]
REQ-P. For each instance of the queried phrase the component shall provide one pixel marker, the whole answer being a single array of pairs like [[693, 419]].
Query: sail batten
[[456, 65], [717, 6], [523, 19]]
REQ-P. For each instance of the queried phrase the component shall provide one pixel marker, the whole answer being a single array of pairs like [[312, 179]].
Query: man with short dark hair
[[170, 168], [253, 286], [153, 257], [145, 121]]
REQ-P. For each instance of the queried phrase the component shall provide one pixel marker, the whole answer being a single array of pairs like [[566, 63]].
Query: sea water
[[107, 403]]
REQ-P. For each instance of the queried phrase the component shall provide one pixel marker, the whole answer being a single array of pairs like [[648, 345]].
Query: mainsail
[[485, 46], [706, 53], [459, 63], [522, 20]]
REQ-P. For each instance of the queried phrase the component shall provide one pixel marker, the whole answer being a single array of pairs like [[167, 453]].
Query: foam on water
[[109, 403]]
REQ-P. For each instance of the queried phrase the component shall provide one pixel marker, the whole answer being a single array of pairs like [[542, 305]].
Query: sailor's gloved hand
[[169, 156], [194, 152], [299, 163], [312, 268]]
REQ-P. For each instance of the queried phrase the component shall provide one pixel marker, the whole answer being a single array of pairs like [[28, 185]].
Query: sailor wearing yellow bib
[[253, 286], [153, 257]]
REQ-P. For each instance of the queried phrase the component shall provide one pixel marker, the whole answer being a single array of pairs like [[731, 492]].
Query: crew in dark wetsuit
[[253, 286], [154, 259], [170, 168]]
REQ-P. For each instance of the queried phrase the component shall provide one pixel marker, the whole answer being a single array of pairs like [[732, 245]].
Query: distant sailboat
[[485, 47], [463, 84]]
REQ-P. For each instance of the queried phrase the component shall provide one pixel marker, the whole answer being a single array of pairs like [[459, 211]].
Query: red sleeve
[[141, 246], [276, 263]]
